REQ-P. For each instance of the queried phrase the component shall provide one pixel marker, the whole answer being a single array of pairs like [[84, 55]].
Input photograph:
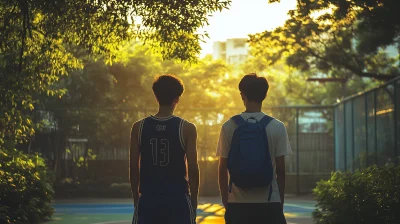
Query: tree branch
[[341, 48], [356, 71], [22, 42], [376, 76]]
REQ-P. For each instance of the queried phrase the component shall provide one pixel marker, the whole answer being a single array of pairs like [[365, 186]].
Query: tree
[[37, 37], [329, 38], [377, 21], [291, 86]]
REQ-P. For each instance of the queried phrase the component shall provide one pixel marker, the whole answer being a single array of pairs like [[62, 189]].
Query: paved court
[[119, 211]]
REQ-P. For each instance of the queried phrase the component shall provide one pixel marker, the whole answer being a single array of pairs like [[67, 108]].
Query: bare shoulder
[[189, 127], [136, 126]]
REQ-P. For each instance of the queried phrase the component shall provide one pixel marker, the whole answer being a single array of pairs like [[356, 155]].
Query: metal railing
[[106, 132], [359, 131], [367, 128]]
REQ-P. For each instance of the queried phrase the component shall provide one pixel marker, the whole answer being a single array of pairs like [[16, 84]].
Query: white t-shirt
[[279, 145]]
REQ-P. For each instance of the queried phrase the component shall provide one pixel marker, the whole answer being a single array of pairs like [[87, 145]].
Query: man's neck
[[253, 107], [165, 111]]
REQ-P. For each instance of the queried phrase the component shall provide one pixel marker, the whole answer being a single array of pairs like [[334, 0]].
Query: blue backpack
[[249, 159]]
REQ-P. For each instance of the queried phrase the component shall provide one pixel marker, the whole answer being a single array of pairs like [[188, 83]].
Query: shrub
[[371, 195], [120, 190], [26, 189], [93, 190]]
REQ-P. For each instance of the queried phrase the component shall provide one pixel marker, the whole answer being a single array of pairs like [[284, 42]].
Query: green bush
[[26, 189], [371, 195], [65, 189], [120, 190]]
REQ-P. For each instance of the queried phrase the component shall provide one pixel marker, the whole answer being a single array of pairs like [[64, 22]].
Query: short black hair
[[254, 87], [167, 88]]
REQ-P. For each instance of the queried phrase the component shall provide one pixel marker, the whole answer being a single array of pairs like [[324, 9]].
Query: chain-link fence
[[93, 144], [367, 128]]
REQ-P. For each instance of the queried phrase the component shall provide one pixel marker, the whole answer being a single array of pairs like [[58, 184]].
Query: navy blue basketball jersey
[[162, 156]]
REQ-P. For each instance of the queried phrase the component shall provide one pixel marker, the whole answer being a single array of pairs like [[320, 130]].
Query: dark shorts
[[164, 209], [254, 213]]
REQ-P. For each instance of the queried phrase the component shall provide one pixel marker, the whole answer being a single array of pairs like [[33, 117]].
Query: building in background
[[233, 51]]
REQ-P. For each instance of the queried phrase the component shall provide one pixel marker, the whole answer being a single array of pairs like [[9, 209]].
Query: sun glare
[[318, 13], [213, 94]]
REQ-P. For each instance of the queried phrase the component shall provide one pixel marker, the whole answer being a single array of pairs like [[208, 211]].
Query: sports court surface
[[119, 211]]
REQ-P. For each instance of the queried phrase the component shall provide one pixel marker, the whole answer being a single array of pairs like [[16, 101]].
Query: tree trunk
[[29, 146]]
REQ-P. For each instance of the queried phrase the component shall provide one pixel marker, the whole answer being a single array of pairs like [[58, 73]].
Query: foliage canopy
[[337, 38], [43, 40]]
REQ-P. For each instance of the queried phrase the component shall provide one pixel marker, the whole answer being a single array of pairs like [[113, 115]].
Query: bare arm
[[134, 156], [281, 174], [193, 166], [223, 179]]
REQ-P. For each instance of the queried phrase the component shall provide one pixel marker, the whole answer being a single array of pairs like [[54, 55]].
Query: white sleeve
[[283, 145], [223, 145]]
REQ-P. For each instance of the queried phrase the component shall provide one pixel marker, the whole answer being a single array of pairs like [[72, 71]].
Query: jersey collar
[[162, 118]]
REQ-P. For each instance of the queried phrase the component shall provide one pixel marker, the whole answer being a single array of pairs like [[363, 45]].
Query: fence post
[[395, 123], [366, 128], [344, 137], [352, 133], [205, 149], [334, 139], [297, 153], [376, 130]]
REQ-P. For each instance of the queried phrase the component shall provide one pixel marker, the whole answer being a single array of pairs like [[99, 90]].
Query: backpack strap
[[265, 120], [238, 120]]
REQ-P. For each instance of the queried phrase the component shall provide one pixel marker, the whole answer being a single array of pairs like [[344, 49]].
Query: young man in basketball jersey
[[254, 205], [161, 146]]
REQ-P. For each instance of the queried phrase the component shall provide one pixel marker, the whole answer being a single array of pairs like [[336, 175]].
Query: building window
[[239, 43], [223, 46]]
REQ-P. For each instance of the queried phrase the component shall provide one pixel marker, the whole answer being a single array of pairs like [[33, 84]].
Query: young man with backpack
[[163, 156], [252, 148]]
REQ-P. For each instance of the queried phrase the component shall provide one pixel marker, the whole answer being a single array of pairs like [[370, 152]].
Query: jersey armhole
[[140, 132], [181, 139]]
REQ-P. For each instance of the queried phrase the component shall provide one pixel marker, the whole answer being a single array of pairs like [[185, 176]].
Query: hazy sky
[[245, 17]]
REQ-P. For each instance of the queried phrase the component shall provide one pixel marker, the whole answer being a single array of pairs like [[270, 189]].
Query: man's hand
[[134, 168], [223, 180], [190, 137], [194, 205], [281, 175], [135, 199], [225, 200]]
